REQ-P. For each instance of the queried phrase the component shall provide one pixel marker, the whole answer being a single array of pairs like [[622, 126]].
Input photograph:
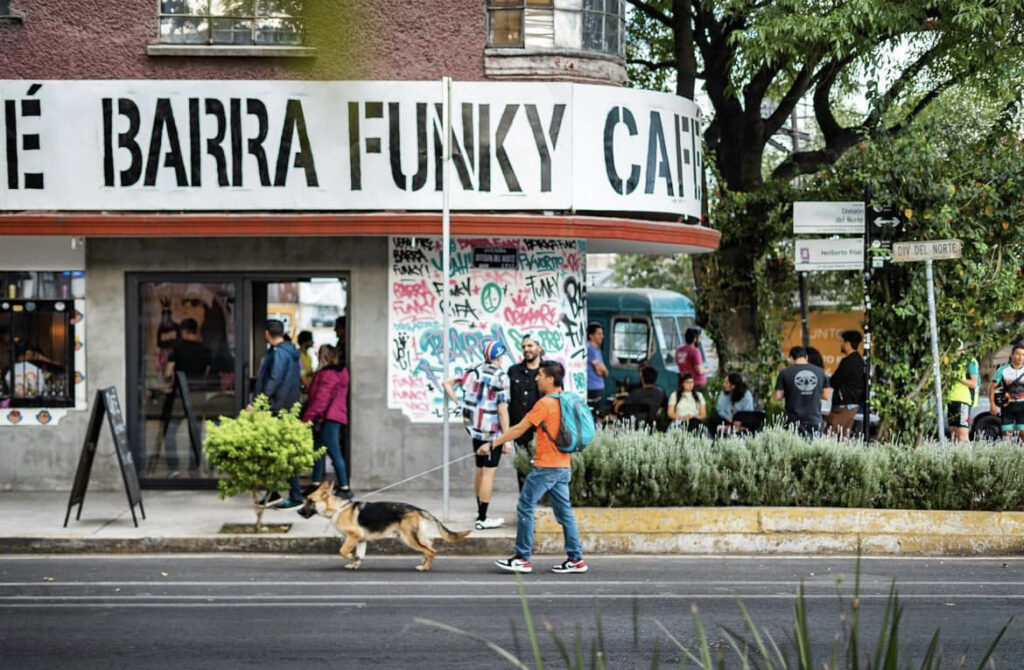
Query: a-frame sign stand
[[106, 403]]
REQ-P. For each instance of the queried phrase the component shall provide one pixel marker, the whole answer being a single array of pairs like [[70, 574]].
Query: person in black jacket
[[523, 393], [848, 385]]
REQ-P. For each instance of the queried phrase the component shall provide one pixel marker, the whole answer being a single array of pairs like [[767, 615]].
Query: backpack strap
[[544, 424]]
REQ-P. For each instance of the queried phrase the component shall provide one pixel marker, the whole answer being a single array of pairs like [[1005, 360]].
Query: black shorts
[[486, 461], [959, 414], [1011, 417]]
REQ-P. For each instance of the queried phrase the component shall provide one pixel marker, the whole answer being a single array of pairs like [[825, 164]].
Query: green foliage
[[778, 468], [259, 451], [752, 648]]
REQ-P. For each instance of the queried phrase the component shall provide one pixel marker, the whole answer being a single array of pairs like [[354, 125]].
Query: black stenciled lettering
[[484, 147], [657, 156], [194, 145], [613, 119], [419, 179], [215, 108], [462, 155], [11, 124], [126, 140], [395, 145], [108, 141], [255, 107], [504, 124], [541, 141], [236, 141], [438, 149], [354, 164], [676, 124], [163, 122], [295, 122]]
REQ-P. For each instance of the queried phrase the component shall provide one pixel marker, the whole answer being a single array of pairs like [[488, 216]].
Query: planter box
[[785, 530]]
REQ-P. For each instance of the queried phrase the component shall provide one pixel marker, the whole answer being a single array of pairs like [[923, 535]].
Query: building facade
[[175, 172]]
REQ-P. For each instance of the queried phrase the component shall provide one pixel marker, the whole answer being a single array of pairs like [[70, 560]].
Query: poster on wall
[[543, 297]]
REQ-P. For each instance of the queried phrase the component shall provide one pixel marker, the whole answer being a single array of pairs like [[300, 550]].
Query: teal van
[[643, 325]]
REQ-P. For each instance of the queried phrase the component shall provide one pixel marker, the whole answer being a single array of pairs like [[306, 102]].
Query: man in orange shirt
[[551, 473]]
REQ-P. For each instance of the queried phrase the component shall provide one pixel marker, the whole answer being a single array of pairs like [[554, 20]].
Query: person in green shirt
[[962, 394]]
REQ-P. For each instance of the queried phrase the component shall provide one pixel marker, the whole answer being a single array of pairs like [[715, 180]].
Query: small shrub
[[259, 451]]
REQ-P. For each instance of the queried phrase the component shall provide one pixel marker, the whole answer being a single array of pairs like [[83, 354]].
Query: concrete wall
[[385, 445]]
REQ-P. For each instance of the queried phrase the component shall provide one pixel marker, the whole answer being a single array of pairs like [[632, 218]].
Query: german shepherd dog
[[362, 522]]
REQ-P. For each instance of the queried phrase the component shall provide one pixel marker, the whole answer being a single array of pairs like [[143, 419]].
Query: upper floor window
[[587, 25], [231, 22]]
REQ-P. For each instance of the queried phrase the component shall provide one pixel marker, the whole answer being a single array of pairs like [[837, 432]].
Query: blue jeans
[[554, 482], [328, 436]]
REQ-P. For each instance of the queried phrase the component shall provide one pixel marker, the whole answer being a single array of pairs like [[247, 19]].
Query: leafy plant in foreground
[[751, 649]]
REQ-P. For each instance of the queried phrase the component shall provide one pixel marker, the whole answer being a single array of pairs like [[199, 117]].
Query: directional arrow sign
[[934, 250]]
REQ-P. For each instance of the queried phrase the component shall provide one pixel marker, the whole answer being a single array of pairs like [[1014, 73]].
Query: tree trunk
[[259, 511], [727, 296]]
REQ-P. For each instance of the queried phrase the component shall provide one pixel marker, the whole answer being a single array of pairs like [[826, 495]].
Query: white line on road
[[824, 581]]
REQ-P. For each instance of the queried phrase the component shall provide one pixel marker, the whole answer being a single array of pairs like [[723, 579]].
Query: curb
[[787, 530], [219, 544]]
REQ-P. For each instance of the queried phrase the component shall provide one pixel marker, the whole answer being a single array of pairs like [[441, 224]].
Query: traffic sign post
[[928, 252]]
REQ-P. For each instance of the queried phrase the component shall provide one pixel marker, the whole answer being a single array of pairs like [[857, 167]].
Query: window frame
[[27, 307], [613, 349], [252, 17], [491, 6]]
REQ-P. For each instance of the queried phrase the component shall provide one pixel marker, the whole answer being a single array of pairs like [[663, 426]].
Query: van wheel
[[986, 428]]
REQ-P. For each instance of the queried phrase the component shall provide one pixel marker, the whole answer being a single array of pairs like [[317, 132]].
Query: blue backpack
[[577, 426]]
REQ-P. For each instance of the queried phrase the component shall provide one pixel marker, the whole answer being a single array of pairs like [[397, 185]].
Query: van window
[[631, 339], [669, 337]]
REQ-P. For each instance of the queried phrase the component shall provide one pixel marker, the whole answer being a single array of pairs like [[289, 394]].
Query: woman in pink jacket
[[327, 408]]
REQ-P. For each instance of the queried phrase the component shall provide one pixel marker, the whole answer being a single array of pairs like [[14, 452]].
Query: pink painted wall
[[355, 39]]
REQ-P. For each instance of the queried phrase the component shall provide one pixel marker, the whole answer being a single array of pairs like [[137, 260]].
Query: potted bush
[[259, 451]]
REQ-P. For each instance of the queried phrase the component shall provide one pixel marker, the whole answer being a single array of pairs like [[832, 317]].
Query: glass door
[[185, 352]]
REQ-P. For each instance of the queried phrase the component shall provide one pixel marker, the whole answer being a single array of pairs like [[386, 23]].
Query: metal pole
[[805, 330], [868, 270], [929, 278], [446, 122]]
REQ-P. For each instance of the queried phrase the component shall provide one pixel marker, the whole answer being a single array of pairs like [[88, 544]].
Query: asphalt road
[[234, 611]]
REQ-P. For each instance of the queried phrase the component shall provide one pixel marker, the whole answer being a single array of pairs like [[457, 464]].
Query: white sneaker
[[493, 522]]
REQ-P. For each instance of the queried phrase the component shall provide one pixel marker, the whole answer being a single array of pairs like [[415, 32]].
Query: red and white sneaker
[[570, 565], [514, 564]]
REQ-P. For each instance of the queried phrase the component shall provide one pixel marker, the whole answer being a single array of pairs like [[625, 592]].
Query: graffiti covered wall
[[543, 296]]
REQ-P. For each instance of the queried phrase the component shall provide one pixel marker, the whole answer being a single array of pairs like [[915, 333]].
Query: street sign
[[933, 250], [828, 217], [829, 255]]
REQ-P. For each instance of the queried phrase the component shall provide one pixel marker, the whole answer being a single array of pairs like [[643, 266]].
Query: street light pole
[[446, 122]]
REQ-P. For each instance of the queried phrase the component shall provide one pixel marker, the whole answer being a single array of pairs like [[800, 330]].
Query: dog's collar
[[334, 517]]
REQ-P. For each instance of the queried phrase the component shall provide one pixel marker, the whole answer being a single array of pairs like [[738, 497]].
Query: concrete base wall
[[385, 446], [785, 530]]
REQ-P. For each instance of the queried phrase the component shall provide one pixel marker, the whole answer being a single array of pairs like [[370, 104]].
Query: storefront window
[[37, 337]]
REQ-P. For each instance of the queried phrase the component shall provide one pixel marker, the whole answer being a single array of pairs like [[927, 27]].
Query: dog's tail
[[447, 534]]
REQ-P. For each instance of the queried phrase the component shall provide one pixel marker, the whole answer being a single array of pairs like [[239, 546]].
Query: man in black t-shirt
[[649, 395], [523, 393], [803, 386]]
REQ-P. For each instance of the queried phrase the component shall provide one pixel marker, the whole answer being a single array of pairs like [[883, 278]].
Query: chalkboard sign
[[106, 403]]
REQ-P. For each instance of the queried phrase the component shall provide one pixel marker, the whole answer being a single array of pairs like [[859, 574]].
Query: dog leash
[[408, 479]]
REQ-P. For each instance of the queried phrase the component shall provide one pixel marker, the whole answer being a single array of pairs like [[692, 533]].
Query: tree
[[756, 60], [259, 452]]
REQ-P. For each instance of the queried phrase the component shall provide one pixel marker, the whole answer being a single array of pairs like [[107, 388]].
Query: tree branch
[[651, 65], [652, 12]]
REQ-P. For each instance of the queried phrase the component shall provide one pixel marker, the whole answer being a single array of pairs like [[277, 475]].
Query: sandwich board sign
[[106, 403], [816, 217], [930, 250]]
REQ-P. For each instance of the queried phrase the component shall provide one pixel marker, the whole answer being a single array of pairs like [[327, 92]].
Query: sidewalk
[[190, 521]]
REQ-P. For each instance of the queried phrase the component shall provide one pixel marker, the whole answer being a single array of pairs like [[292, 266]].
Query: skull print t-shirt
[[802, 385]]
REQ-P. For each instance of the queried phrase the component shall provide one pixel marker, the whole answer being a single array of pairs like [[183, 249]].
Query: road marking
[[180, 605], [100, 599], [825, 581]]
